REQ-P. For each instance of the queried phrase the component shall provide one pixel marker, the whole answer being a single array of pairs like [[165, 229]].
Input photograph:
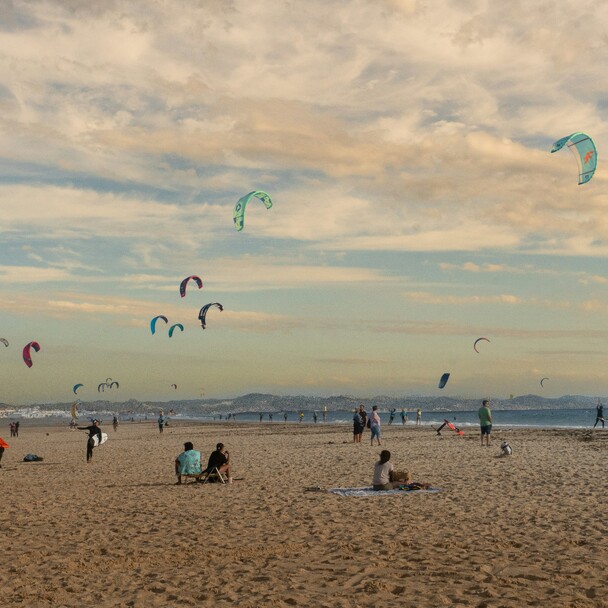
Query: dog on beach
[[505, 448]]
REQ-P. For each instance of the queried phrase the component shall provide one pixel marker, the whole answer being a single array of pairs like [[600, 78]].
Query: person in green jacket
[[485, 421]]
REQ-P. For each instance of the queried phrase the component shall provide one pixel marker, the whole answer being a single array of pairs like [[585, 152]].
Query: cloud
[[429, 298]]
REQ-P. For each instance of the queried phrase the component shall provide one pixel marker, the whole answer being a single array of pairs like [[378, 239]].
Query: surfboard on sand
[[96, 442]]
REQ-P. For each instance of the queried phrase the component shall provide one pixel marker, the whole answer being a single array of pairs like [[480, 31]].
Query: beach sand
[[529, 530]]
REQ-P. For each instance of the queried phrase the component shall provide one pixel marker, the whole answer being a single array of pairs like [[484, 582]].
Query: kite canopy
[[476, 341], [541, 382], [172, 328], [239, 209], [4, 341], [184, 283], [202, 315], [27, 352], [154, 320], [584, 151], [102, 387], [444, 380], [76, 387], [174, 386]]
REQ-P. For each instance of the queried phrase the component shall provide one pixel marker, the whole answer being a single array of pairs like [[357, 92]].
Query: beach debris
[[202, 315], [239, 209], [444, 380], [154, 320], [27, 352], [184, 283], [476, 341], [584, 152]]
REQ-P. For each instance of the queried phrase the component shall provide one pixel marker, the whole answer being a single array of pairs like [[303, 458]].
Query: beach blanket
[[369, 491]]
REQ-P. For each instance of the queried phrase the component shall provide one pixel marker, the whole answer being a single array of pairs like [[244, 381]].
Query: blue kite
[[584, 151]]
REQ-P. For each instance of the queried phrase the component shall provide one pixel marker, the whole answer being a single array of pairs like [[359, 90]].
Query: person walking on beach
[[161, 423], [285, 416], [94, 431], [11, 427], [314, 417], [418, 417], [485, 421], [115, 423], [374, 425], [301, 416], [324, 413], [599, 416], [403, 417]]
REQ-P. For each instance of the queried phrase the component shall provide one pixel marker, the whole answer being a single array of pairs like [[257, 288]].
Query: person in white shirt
[[385, 476]]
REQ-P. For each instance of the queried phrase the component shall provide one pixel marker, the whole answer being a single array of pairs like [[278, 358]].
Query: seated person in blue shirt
[[188, 463], [220, 460]]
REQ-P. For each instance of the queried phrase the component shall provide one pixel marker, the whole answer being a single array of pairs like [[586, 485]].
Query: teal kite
[[583, 149], [239, 209], [172, 328]]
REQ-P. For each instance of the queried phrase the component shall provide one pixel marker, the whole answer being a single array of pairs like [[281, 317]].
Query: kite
[[239, 209], [184, 283], [202, 315], [174, 386], [444, 380], [27, 352], [4, 341], [541, 382], [154, 320], [76, 387], [102, 387], [172, 328], [475, 343], [114, 383], [584, 151]]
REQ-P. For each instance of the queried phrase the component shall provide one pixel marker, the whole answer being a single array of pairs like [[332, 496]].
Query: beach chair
[[213, 475]]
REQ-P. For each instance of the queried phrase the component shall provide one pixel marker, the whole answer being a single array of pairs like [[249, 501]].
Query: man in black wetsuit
[[599, 415], [94, 431]]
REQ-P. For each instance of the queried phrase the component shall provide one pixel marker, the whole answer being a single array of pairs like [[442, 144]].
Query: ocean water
[[563, 418], [541, 418]]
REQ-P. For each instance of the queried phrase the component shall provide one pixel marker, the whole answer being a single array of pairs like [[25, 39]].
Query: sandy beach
[[528, 530]]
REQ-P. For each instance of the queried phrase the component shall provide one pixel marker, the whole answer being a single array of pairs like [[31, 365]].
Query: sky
[[405, 145]]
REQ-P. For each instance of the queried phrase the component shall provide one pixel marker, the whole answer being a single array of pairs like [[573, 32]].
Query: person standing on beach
[[301, 416], [314, 417], [17, 428], [324, 413], [418, 417], [485, 421], [94, 431], [599, 416], [11, 427], [363, 415], [115, 423], [392, 416], [374, 425], [161, 423], [285, 416], [403, 417], [357, 427]]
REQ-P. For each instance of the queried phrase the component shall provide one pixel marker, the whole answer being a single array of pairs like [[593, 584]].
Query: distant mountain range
[[257, 402]]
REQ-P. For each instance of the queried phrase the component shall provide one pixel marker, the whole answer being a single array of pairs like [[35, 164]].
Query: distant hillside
[[257, 402]]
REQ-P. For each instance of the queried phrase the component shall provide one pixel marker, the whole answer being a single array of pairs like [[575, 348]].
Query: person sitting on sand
[[188, 462], [385, 476], [220, 460]]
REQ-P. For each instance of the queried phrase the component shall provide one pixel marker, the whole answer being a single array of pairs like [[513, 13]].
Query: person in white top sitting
[[385, 476]]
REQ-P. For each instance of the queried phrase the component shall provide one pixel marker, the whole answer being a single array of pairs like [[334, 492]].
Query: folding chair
[[214, 475]]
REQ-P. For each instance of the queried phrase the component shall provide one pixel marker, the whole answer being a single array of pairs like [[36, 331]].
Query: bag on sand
[[32, 458]]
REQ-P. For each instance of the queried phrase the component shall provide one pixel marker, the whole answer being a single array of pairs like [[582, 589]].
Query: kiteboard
[[96, 442]]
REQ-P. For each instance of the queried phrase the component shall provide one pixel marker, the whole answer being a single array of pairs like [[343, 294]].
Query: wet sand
[[529, 530]]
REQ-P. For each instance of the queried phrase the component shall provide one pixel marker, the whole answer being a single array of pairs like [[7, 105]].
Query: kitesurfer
[[599, 415], [94, 431]]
